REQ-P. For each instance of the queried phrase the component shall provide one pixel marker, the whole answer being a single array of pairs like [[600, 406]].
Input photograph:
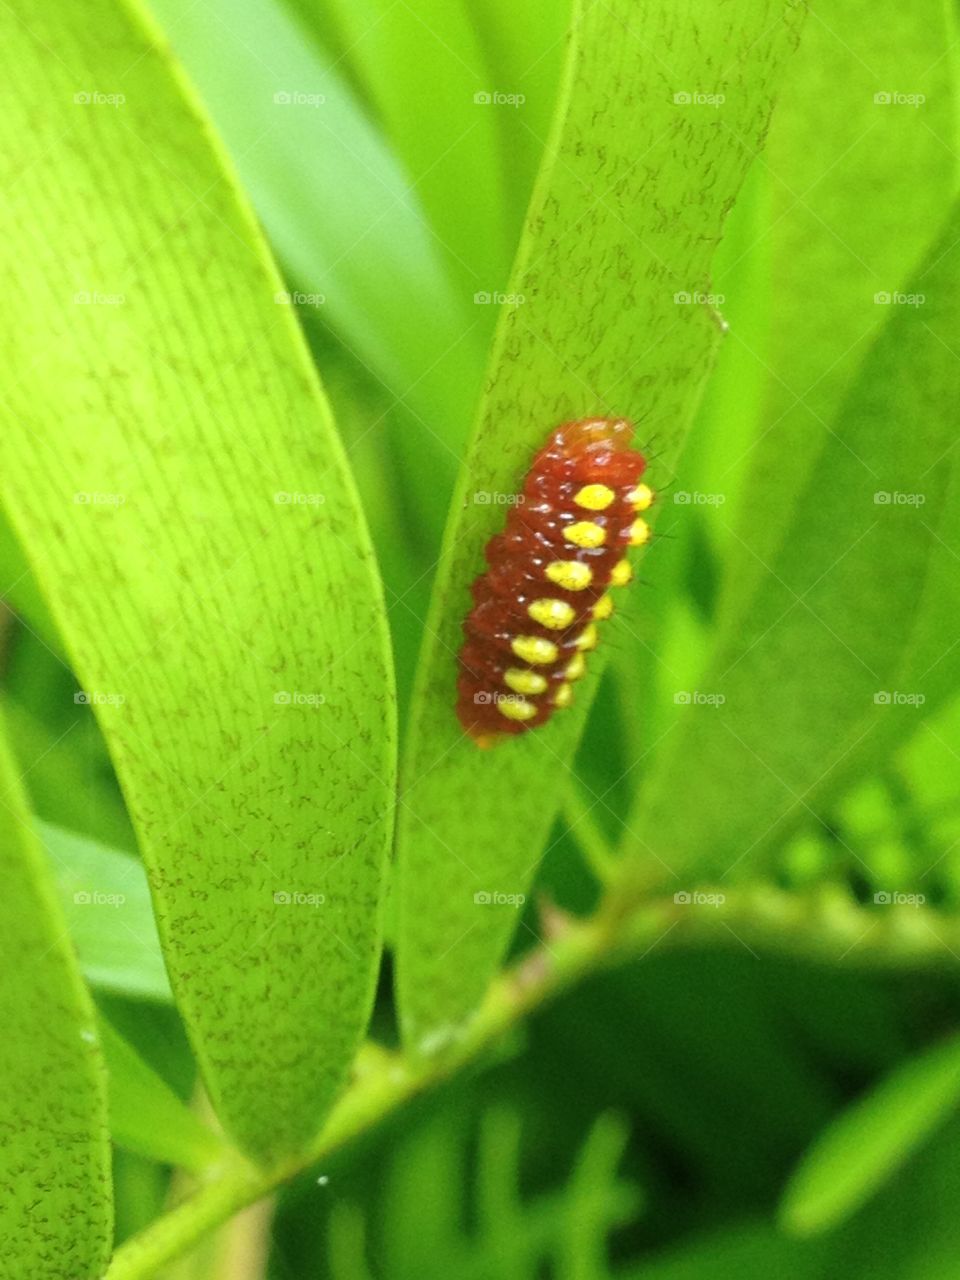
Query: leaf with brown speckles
[[171, 470], [662, 109], [55, 1192]]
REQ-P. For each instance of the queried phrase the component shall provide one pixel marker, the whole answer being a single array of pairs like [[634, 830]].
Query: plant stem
[[826, 926]]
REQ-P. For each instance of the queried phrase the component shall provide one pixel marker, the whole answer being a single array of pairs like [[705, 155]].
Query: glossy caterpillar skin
[[536, 606]]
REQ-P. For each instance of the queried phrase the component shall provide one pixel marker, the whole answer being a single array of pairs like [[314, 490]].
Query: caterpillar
[[536, 606]]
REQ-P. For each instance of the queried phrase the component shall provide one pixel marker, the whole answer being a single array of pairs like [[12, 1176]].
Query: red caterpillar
[[535, 607]]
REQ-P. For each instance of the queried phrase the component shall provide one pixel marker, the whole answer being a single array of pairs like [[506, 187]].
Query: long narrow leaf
[[444, 128], [344, 217], [55, 1197], [867, 1142], [106, 900], [860, 173], [851, 635], [639, 176], [171, 469], [146, 1116]]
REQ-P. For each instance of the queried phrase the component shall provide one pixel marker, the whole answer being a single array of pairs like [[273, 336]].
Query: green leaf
[[809, 245], [751, 1250], [55, 1197], [18, 589], [870, 1140], [65, 762], [625, 216], [732, 413], [828, 664], [526, 51], [146, 1116], [490, 1222], [597, 1201], [447, 140], [106, 901], [345, 223], [350, 228], [233, 644], [857, 188]]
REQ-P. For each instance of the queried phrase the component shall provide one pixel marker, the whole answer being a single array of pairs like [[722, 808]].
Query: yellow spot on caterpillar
[[535, 650], [585, 534], [587, 639], [594, 497], [603, 608], [555, 614], [575, 667], [621, 573], [641, 498], [520, 681], [639, 533], [516, 708], [563, 696], [570, 574]]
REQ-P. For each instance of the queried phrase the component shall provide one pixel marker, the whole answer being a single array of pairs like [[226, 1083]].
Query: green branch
[[826, 926]]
